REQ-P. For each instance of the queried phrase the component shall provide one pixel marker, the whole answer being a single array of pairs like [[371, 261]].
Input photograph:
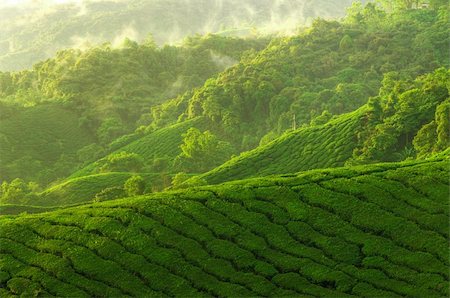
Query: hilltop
[[36, 30], [378, 230]]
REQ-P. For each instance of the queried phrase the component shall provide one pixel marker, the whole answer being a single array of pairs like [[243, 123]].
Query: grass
[[379, 230], [325, 146]]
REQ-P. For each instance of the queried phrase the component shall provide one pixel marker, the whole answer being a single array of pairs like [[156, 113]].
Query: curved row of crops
[[365, 231]]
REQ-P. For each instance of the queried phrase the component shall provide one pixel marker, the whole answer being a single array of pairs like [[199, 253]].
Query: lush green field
[[84, 189], [312, 147], [365, 231], [163, 143]]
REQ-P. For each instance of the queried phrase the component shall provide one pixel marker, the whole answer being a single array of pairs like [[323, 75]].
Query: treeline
[[33, 31], [409, 119], [329, 69]]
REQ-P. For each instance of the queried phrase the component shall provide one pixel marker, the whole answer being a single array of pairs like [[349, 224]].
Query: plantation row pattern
[[323, 146], [371, 231]]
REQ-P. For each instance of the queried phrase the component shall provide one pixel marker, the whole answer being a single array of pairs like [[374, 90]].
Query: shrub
[[179, 178], [109, 193], [134, 186], [123, 162]]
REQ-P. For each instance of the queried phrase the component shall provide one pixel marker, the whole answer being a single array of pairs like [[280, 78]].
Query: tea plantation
[[161, 143], [312, 147], [372, 231]]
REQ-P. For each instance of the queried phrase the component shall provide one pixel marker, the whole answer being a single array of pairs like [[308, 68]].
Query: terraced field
[[328, 145], [161, 143], [368, 231], [83, 189]]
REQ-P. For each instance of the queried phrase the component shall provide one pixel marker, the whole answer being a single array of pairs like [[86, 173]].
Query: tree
[[134, 186], [443, 126], [110, 129], [89, 153], [123, 162], [346, 43], [399, 4], [179, 178], [14, 192], [201, 151]]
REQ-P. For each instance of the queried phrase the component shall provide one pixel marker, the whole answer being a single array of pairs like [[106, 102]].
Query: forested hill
[[330, 69], [87, 99], [37, 29], [409, 119]]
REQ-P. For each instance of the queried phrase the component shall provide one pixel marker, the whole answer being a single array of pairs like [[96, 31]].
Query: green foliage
[[134, 186], [179, 178], [322, 119], [321, 146], [14, 192], [90, 153], [406, 107], [110, 193], [201, 151], [435, 136], [104, 186], [123, 162], [158, 148], [332, 66], [95, 96], [53, 27], [33, 140], [378, 230]]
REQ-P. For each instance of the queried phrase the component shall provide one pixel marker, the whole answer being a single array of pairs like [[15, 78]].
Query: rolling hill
[[95, 96], [83, 189], [162, 143], [379, 230], [385, 129], [321, 146]]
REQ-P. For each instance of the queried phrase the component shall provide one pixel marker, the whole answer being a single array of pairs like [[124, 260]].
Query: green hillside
[[162, 144], [83, 189], [401, 123], [322, 146], [37, 142], [8, 209], [372, 231], [100, 94], [332, 68]]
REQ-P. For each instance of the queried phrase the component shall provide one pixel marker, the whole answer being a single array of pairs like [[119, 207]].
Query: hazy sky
[[5, 3]]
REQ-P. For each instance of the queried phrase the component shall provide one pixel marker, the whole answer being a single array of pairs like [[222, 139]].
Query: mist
[[32, 30]]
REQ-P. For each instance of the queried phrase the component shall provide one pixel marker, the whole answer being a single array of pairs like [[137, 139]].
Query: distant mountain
[[35, 30]]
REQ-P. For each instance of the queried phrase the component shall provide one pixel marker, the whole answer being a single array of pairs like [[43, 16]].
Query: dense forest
[[277, 148]]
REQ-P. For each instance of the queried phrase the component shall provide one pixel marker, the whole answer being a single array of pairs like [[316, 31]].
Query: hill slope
[[388, 128], [366, 231], [34, 139], [312, 147]]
